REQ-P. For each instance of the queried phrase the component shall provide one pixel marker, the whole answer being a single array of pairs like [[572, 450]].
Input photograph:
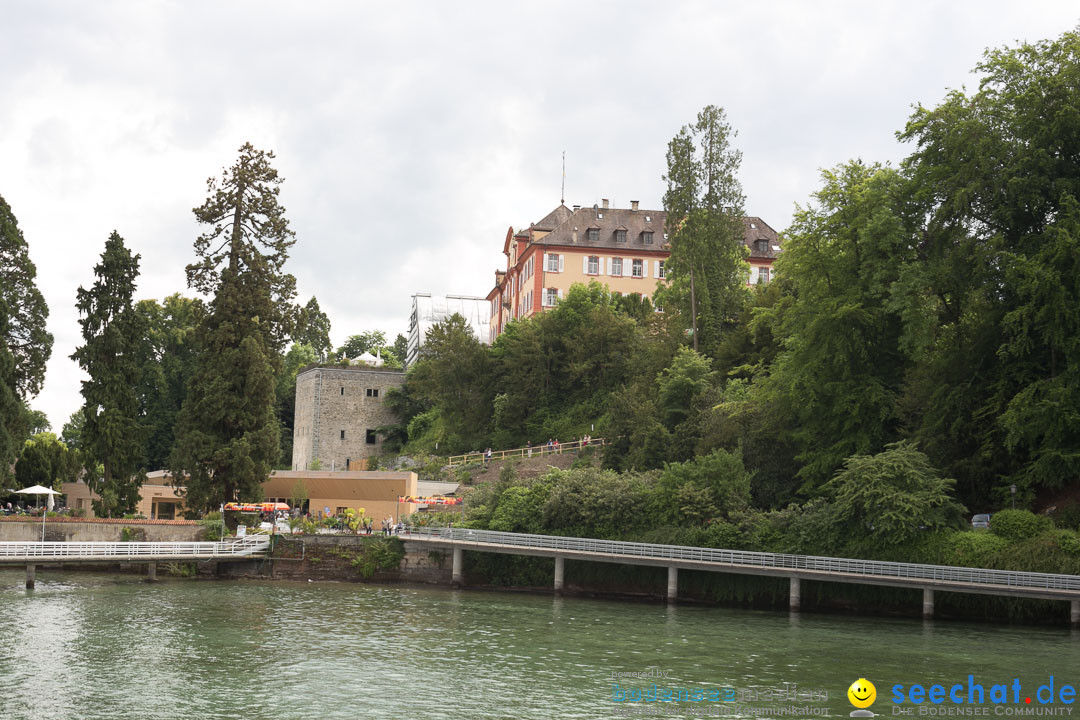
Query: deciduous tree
[[26, 344]]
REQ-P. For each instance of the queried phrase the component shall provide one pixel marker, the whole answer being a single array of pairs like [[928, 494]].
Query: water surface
[[103, 646]]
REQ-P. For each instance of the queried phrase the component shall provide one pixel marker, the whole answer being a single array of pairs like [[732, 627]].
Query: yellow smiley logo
[[862, 693]]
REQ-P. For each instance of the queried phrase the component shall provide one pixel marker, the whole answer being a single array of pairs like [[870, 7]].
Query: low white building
[[429, 309]]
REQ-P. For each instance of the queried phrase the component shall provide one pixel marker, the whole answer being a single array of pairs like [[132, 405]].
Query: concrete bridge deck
[[796, 568]]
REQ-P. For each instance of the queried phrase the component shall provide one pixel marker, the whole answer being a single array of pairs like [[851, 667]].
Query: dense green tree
[[313, 329], [704, 205], [11, 409], [168, 359], [892, 496], [71, 434], [992, 306], [357, 345], [46, 461], [37, 421], [401, 349], [113, 334], [227, 432], [841, 367], [453, 374], [26, 344]]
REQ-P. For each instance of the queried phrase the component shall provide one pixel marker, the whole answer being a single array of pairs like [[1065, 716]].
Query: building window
[[342, 434], [373, 392], [551, 297], [342, 390], [661, 272], [648, 219], [616, 266], [620, 236], [370, 437], [762, 246], [594, 265], [594, 234], [646, 237], [763, 275], [638, 268], [348, 461], [552, 263]]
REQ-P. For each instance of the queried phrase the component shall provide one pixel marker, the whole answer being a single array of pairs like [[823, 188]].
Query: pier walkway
[[795, 568], [33, 554]]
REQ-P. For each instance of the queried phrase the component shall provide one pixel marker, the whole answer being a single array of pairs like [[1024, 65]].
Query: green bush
[[970, 549], [212, 526], [1019, 524], [1068, 516], [378, 553]]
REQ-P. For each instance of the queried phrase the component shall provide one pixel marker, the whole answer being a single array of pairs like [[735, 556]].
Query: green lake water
[[112, 646]]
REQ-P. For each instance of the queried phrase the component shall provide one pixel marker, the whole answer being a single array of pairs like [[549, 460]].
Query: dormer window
[[648, 219], [594, 234], [646, 237], [620, 235], [761, 246]]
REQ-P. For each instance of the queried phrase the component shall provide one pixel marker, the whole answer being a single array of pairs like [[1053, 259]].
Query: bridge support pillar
[[795, 595], [672, 584], [31, 572], [927, 603], [1074, 613], [151, 572], [458, 571], [559, 567]]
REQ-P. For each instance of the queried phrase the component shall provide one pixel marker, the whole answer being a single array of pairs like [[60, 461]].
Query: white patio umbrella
[[39, 490]]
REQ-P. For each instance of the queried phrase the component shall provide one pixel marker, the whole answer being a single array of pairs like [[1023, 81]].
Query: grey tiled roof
[[573, 230], [606, 221]]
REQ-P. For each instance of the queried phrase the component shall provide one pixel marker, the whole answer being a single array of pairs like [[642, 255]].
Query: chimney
[[576, 208], [605, 202], [633, 206]]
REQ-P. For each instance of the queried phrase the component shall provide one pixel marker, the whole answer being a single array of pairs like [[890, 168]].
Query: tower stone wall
[[337, 411]]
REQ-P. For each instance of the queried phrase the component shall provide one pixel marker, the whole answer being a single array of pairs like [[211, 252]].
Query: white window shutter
[[609, 266], [585, 264], [558, 293], [656, 268], [560, 263]]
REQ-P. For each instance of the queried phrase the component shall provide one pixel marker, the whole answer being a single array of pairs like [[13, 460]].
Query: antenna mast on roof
[[562, 191]]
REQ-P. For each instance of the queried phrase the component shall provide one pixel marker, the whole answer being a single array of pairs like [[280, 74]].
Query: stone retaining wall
[[28, 529]]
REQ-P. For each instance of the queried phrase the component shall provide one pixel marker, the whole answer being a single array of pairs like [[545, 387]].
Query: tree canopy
[[113, 336], [228, 432]]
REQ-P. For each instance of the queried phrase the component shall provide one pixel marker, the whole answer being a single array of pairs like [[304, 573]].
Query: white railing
[[250, 546], [742, 558], [525, 452]]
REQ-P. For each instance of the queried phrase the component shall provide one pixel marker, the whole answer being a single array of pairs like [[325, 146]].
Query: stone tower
[[337, 412]]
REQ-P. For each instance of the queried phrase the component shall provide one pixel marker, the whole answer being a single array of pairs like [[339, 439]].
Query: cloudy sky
[[411, 135]]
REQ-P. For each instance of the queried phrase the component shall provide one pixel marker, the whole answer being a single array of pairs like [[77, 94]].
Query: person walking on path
[[487, 457]]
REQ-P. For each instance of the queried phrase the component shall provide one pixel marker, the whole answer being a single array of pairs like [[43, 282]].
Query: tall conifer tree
[[112, 336], [704, 205], [227, 434]]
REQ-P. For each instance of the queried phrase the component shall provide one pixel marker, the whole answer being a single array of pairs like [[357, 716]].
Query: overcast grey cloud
[[411, 135]]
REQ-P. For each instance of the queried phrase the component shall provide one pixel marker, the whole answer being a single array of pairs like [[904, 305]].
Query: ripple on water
[[101, 646]]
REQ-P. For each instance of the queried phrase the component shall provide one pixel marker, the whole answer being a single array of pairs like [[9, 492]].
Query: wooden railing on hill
[[525, 452]]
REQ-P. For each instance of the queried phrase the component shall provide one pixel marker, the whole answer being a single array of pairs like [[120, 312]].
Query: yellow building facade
[[624, 249]]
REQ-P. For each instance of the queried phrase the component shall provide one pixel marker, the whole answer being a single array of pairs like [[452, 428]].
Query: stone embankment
[[21, 528]]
